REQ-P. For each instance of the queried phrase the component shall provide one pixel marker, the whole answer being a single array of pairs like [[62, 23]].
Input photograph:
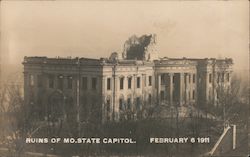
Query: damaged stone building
[[123, 85]]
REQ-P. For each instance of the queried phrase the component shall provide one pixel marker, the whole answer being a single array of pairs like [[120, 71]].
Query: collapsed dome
[[140, 48]]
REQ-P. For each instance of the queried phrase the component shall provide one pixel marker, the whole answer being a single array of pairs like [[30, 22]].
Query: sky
[[95, 29]]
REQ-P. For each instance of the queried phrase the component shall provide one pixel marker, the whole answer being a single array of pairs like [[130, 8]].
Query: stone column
[[117, 87], [143, 85], [186, 87], [26, 87], [166, 87], [207, 86], [191, 84], [134, 87], [171, 75], [159, 89], [104, 111], [214, 81], [181, 88], [230, 77], [189, 87]]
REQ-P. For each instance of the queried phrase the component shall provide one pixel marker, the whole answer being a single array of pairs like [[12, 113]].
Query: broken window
[[193, 94], [39, 81], [228, 77], [94, 83], [60, 82], [108, 105], [108, 109], [138, 103], [51, 81], [70, 82], [129, 82], [84, 83], [84, 107], [138, 82], [129, 103], [162, 79], [174, 79], [108, 83], [162, 95], [121, 82], [84, 100], [210, 94], [210, 78], [150, 81], [121, 104], [149, 99]]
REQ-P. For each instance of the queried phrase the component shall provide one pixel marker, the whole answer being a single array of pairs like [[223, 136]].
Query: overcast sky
[[97, 28]]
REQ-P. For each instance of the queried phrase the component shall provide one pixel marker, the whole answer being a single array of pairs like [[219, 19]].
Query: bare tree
[[16, 117], [231, 104]]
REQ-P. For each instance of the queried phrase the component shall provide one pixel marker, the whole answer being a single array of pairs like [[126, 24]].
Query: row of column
[[183, 87]]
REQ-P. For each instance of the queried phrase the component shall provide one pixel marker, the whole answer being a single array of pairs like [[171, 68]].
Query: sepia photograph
[[124, 78]]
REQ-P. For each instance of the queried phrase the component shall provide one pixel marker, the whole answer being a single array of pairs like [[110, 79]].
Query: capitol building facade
[[121, 86]]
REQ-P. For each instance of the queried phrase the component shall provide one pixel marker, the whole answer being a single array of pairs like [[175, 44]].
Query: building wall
[[80, 86]]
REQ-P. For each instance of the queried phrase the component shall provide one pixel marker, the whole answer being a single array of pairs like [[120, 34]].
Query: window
[[84, 100], [129, 82], [121, 83], [70, 82], [162, 79], [120, 104], [84, 83], [108, 84], [228, 77], [32, 80], [51, 81], [108, 105], [189, 78], [84, 107], [193, 94], [39, 81], [210, 94], [138, 103], [93, 100], [162, 95], [210, 78], [149, 99], [193, 78], [138, 82], [150, 81], [129, 103], [60, 82], [94, 83], [108, 109], [174, 79]]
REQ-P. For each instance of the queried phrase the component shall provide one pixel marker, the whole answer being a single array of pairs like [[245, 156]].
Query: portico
[[175, 88]]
